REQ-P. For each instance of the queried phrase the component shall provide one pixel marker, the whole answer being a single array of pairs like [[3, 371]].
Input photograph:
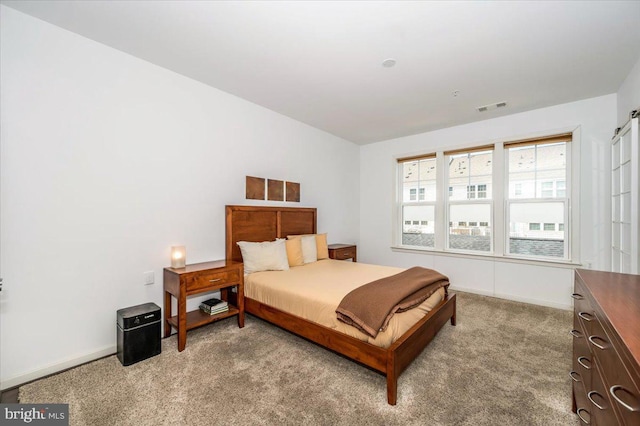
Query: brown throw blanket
[[370, 307]]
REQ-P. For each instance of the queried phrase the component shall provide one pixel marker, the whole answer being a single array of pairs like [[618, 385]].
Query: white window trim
[[499, 225]]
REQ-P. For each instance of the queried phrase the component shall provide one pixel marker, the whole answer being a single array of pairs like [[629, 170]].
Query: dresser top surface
[[618, 297]]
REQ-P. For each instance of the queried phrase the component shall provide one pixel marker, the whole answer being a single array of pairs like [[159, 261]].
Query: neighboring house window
[[536, 177], [518, 189], [546, 190]]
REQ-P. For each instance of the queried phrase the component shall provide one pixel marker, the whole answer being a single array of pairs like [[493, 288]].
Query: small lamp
[[178, 256]]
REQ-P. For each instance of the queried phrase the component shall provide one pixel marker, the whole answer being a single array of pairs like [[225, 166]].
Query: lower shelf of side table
[[198, 318]]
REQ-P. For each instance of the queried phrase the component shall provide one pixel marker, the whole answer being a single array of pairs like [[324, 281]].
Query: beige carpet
[[505, 363]]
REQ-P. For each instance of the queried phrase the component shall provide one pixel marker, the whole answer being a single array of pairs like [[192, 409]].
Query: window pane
[[419, 180], [472, 238], [537, 171], [470, 175], [418, 228], [527, 237]]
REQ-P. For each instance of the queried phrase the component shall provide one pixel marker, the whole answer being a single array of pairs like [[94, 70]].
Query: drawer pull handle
[[577, 296], [598, 406], [585, 316], [586, 422], [571, 373], [216, 280], [588, 367], [592, 340], [575, 333], [613, 390]]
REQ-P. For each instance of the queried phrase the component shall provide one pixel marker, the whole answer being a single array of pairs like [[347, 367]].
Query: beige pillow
[[309, 248], [265, 256], [294, 252], [322, 249]]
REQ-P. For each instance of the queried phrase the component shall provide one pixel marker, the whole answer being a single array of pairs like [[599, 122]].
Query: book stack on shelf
[[214, 306]]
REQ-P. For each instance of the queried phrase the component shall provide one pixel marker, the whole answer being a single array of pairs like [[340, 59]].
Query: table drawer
[[347, 253], [199, 281]]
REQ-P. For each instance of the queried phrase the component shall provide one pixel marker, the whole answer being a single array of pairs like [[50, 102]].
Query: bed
[[258, 223]]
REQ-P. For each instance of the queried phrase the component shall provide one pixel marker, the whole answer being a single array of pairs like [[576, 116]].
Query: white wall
[[107, 161], [629, 95], [545, 285]]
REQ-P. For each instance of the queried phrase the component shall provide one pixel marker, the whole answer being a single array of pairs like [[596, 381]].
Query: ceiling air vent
[[491, 106]]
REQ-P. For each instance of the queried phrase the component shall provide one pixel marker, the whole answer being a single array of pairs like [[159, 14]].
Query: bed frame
[[257, 223]]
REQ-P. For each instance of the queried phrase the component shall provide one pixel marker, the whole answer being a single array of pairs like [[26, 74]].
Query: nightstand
[[199, 278], [343, 251]]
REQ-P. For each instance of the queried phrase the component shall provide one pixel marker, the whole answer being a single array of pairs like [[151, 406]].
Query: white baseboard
[[55, 368], [538, 302]]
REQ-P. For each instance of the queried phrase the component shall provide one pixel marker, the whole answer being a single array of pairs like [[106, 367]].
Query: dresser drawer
[[206, 280], [583, 363], [583, 406], [601, 405], [623, 391], [582, 308]]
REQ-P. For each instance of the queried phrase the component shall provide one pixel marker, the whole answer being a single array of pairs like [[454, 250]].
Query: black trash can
[[138, 333]]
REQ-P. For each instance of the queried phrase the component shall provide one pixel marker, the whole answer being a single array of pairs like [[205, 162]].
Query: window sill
[[480, 256]]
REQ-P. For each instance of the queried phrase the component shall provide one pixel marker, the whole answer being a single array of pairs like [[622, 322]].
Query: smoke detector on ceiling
[[388, 63], [491, 106]]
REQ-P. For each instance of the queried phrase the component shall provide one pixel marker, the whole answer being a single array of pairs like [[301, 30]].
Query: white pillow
[[265, 256], [309, 249]]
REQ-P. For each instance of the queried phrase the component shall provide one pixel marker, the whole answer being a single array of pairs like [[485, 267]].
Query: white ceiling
[[320, 62]]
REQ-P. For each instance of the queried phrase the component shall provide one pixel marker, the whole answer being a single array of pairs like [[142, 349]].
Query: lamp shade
[[178, 256]]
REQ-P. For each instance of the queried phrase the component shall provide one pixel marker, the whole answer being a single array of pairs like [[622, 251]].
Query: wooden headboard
[[258, 223]]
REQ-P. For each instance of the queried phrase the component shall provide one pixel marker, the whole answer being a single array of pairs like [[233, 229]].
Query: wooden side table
[[343, 251], [198, 278]]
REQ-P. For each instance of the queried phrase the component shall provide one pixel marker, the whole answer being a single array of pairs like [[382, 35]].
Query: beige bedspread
[[314, 291]]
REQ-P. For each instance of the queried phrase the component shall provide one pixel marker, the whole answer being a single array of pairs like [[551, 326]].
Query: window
[[537, 181], [418, 177], [469, 181], [547, 190], [482, 191], [518, 189], [535, 189], [471, 191]]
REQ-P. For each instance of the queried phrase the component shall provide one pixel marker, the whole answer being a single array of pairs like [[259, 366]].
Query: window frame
[[418, 202], [569, 242]]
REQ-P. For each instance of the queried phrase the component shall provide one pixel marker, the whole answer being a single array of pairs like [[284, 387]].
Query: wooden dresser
[[606, 348]]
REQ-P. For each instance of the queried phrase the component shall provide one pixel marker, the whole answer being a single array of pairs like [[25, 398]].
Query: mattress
[[314, 291]]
